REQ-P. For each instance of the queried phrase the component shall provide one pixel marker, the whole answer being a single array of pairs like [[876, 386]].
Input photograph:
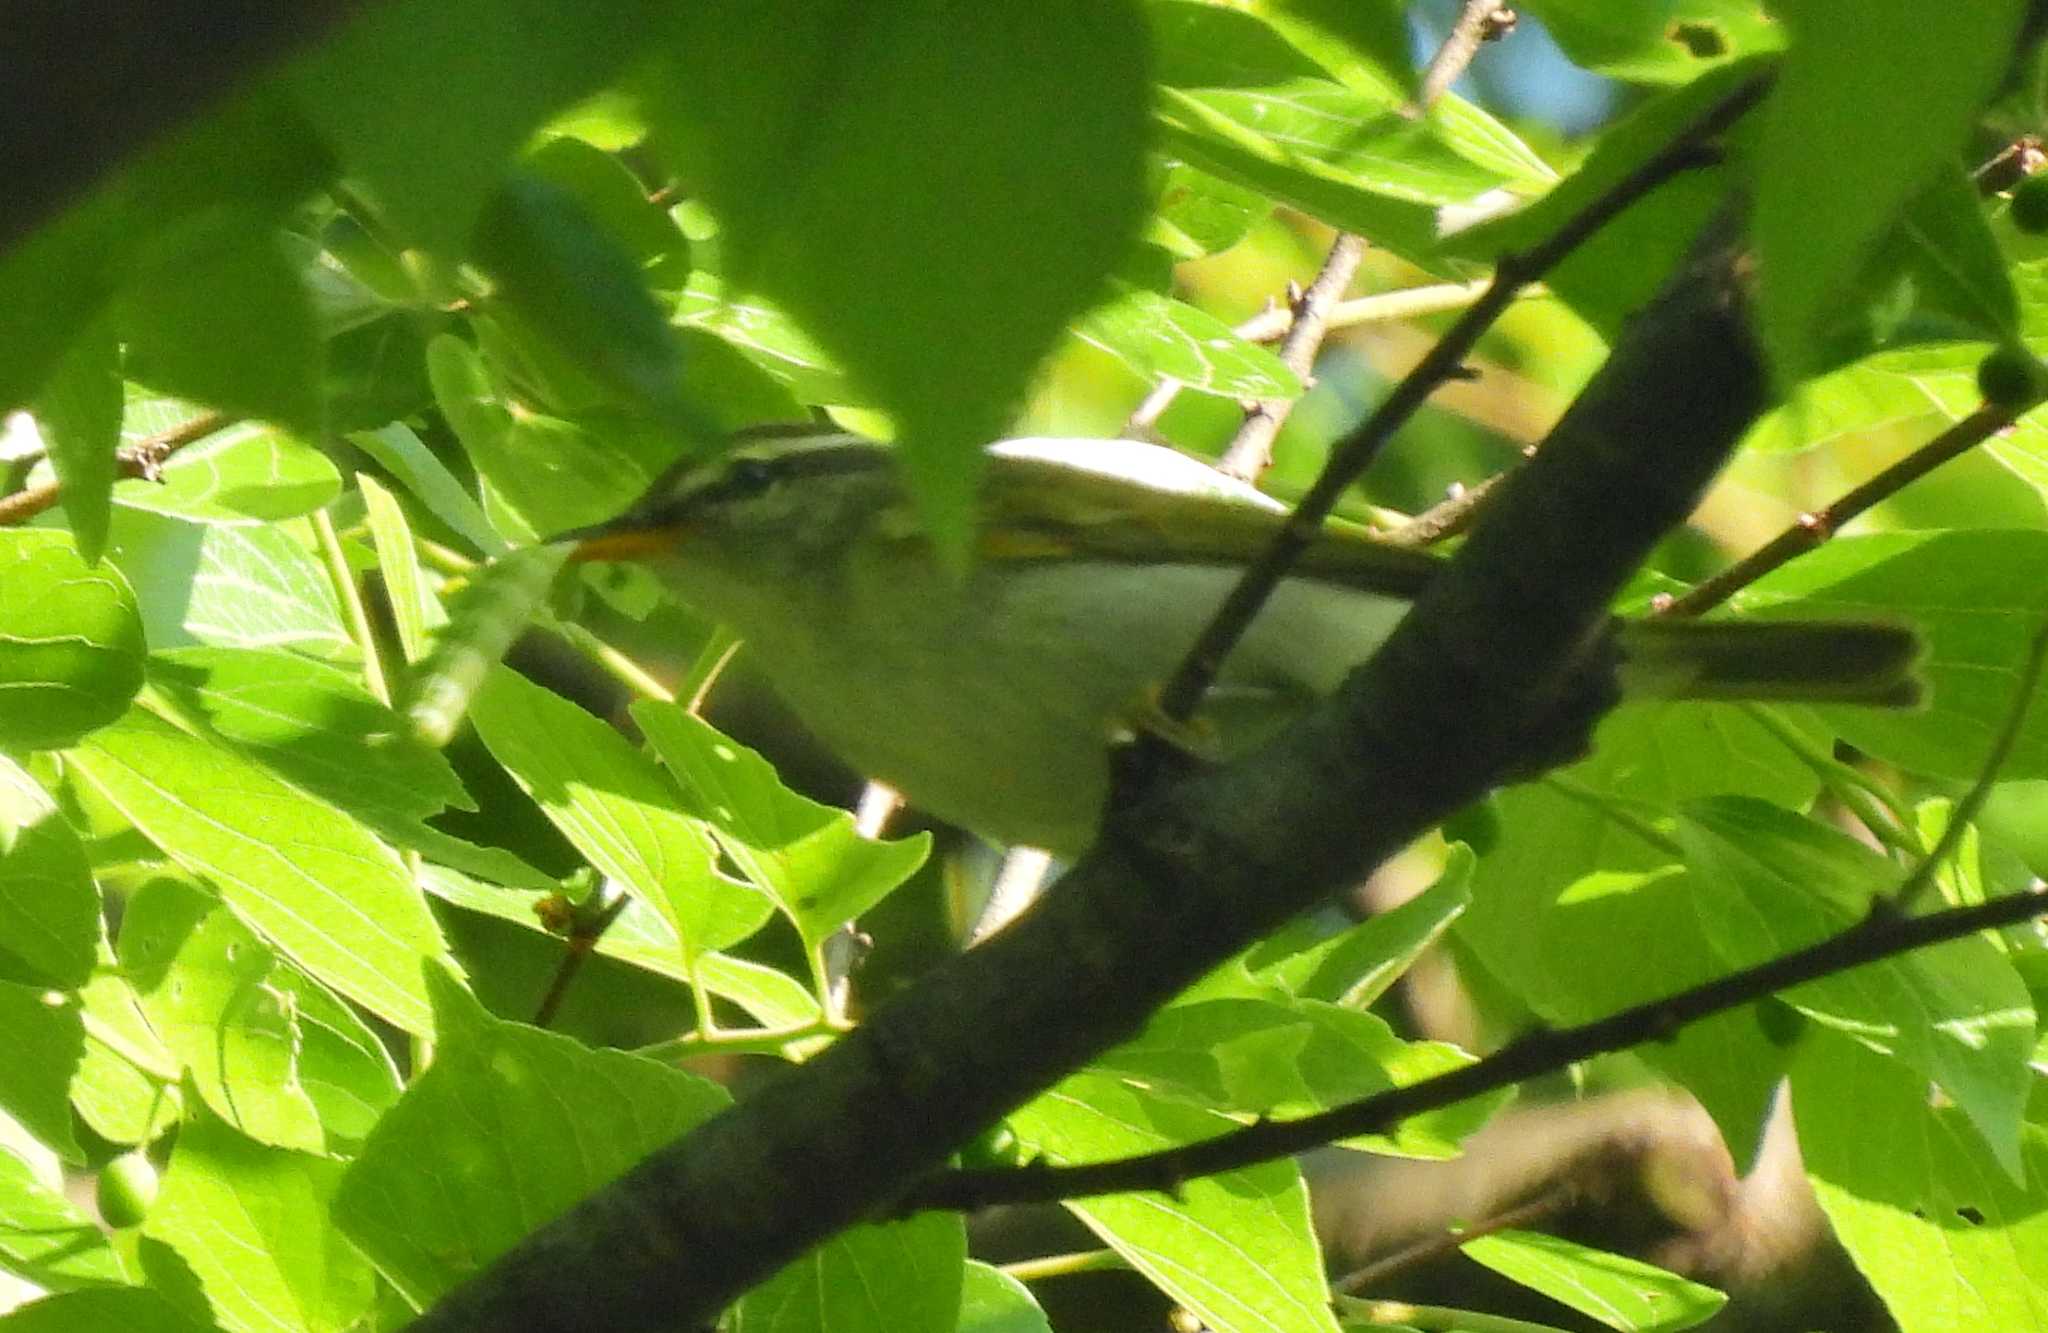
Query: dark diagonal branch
[[1813, 530], [1882, 935], [1352, 455], [1185, 878]]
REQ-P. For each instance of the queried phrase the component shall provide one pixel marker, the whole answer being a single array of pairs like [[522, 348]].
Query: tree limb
[[1186, 878]]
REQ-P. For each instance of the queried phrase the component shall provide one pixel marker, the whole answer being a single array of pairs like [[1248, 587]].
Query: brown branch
[[1813, 530], [583, 924], [1250, 451], [1547, 1204], [144, 458], [1447, 518], [1479, 22], [1883, 934], [1188, 877], [1352, 455]]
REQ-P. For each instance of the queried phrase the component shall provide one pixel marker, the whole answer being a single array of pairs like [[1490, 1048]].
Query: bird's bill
[[605, 543]]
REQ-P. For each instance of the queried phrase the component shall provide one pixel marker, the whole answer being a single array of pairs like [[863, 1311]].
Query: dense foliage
[[459, 274]]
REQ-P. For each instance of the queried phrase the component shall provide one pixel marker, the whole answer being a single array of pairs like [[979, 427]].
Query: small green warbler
[[992, 700]]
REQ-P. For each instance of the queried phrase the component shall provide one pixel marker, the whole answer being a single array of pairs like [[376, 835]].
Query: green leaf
[[1567, 880], [615, 199], [244, 587], [643, 937], [1199, 214], [1161, 338], [110, 1091], [1259, 1057], [1949, 1239], [45, 1239], [1336, 134], [1944, 254], [316, 726], [991, 1301], [343, 1065], [1904, 91], [1617, 270], [1620, 1292], [1356, 966], [791, 116], [52, 283], [306, 877], [1235, 1249], [615, 805], [543, 474], [1974, 596], [1670, 41], [220, 317], [484, 73], [401, 453], [804, 855], [1363, 45], [770, 339], [204, 982], [579, 289], [1768, 881], [526, 1123], [251, 1223], [44, 1043], [71, 642], [1216, 143], [78, 412], [244, 474], [130, 1309], [49, 904], [896, 1277], [414, 609]]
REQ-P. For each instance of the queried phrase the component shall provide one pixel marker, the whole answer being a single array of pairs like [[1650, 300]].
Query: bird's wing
[[1144, 509]]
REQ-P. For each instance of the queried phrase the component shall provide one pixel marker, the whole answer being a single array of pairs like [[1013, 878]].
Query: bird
[[991, 697]]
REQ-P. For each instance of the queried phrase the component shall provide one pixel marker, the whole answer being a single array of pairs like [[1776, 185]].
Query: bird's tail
[[1809, 661]]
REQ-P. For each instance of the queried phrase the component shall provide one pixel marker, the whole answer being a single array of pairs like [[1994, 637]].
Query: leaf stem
[[350, 594], [1872, 805], [1432, 1318], [1066, 1265]]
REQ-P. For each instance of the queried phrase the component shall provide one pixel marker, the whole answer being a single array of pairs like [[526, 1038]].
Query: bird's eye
[[747, 476]]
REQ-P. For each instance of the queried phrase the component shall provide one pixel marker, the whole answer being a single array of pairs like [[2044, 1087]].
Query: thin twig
[[1447, 518], [1250, 451], [144, 458], [1435, 298], [1066, 1265], [1479, 22], [1272, 323], [1813, 530], [1353, 454], [587, 922], [1883, 934], [1429, 1249], [348, 593]]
